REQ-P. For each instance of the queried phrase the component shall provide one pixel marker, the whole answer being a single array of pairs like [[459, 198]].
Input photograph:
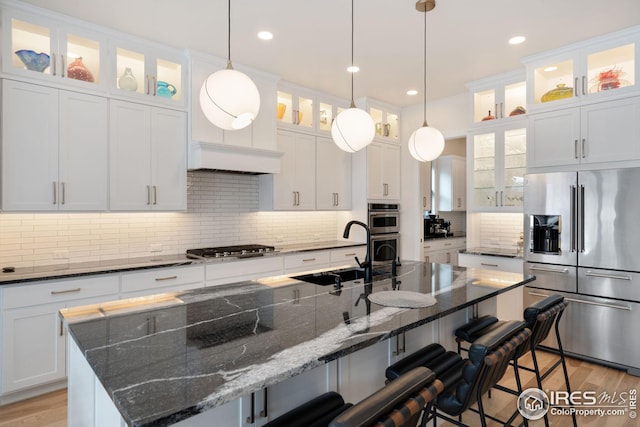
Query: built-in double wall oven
[[384, 223]]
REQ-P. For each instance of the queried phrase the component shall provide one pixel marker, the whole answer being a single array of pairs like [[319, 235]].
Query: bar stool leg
[[564, 368], [516, 371], [538, 379]]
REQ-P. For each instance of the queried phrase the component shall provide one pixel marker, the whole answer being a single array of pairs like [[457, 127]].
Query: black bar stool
[[488, 360], [540, 318], [400, 403], [318, 412]]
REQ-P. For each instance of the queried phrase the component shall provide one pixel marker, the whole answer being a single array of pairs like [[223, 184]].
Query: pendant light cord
[[425, 70], [353, 104], [229, 66]]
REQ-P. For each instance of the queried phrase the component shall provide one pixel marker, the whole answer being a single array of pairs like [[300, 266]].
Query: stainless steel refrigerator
[[582, 240]]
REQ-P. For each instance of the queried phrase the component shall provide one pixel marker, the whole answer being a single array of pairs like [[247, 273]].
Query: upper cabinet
[[452, 183], [499, 97], [304, 110], [147, 72], [383, 171], [385, 117], [333, 176], [496, 167], [53, 51], [425, 185], [584, 72]]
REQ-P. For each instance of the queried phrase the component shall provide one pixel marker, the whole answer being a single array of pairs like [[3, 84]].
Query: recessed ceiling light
[[552, 68], [517, 39], [265, 35], [412, 92], [353, 69]]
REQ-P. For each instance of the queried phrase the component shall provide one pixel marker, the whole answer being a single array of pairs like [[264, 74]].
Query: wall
[[222, 210], [494, 230]]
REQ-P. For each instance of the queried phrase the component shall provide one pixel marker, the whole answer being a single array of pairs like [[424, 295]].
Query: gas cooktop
[[239, 251]]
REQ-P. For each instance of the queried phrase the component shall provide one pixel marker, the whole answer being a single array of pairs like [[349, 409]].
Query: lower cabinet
[[33, 338], [444, 250], [221, 273]]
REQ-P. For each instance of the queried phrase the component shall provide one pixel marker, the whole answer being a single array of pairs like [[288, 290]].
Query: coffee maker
[[436, 227]]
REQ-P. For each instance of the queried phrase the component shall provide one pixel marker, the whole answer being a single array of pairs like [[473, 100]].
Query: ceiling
[[467, 39]]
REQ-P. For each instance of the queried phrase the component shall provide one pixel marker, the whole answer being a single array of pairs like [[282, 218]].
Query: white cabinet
[[156, 281], [425, 185], [386, 118], [594, 133], [147, 157], [489, 262], [54, 149], [333, 176], [304, 261], [33, 338], [497, 167], [383, 171], [452, 183], [61, 47], [296, 108], [294, 188], [361, 373], [443, 250], [347, 256], [602, 67], [499, 97], [222, 273], [159, 73]]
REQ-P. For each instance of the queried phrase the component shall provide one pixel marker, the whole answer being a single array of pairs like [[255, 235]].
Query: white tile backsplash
[[222, 209], [500, 230]]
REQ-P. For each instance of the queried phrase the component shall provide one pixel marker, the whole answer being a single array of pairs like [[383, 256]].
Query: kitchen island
[[178, 358]]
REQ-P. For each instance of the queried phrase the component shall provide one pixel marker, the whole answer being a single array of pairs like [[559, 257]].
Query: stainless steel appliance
[[436, 227], [384, 225], [384, 218], [581, 240], [241, 251]]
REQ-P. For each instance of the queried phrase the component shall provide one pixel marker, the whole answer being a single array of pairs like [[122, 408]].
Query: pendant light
[[426, 143], [352, 129], [228, 98]]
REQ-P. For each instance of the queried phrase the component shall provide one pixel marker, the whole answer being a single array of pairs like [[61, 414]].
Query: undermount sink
[[326, 278]]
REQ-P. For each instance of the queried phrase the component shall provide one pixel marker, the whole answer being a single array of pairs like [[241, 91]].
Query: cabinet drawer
[[162, 278], [220, 273], [346, 256], [306, 261], [56, 291], [487, 262], [444, 244]]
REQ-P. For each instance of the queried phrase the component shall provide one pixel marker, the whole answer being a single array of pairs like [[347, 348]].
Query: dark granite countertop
[[214, 345], [448, 236], [505, 253], [68, 270]]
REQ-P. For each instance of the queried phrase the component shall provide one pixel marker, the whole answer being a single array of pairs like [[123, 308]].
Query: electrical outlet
[[156, 247], [61, 254]]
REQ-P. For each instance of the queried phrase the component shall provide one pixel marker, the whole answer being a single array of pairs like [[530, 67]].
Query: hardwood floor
[[50, 410]]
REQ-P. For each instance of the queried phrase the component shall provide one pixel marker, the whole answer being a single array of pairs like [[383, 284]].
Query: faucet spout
[[368, 269]]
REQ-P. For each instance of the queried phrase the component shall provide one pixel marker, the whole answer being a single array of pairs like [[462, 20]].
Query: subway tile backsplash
[[501, 230], [222, 209]]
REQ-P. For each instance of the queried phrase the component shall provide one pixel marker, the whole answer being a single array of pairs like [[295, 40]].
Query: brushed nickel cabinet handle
[[264, 413], [575, 87], [148, 195], [66, 291], [350, 255], [583, 151], [64, 193], [575, 148], [55, 193], [160, 279], [308, 259], [486, 264], [53, 71], [64, 67], [61, 328], [584, 90], [155, 195], [148, 83], [155, 86]]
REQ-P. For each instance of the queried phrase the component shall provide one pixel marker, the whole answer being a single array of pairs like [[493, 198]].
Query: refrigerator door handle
[[581, 220], [619, 307], [549, 270], [572, 218], [607, 276]]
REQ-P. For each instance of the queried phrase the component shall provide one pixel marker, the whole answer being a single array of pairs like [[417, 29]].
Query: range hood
[[229, 158]]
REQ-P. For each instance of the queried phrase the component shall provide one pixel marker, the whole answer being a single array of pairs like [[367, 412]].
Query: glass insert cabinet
[[498, 167]]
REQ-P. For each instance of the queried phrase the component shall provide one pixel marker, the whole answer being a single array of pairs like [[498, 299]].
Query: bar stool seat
[[318, 412]]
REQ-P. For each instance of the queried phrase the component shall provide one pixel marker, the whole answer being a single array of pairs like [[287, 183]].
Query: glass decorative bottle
[[127, 81]]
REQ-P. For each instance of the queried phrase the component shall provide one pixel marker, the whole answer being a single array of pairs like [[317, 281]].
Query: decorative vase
[[166, 90], [488, 117], [32, 60], [281, 109], [561, 91], [127, 81], [77, 70]]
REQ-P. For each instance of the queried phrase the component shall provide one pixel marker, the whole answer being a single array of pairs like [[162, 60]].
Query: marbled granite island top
[[209, 346]]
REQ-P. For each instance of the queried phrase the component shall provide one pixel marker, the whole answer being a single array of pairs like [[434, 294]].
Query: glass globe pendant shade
[[352, 130], [426, 144], [229, 99]]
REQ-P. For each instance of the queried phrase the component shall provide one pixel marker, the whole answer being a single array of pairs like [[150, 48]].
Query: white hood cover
[[204, 155]]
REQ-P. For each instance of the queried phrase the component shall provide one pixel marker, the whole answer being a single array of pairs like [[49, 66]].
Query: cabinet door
[[459, 173], [33, 347], [391, 171], [29, 147], [168, 159], [129, 149], [553, 138], [611, 131], [333, 176], [425, 185], [305, 172], [362, 373], [83, 152], [375, 180], [294, 187]]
